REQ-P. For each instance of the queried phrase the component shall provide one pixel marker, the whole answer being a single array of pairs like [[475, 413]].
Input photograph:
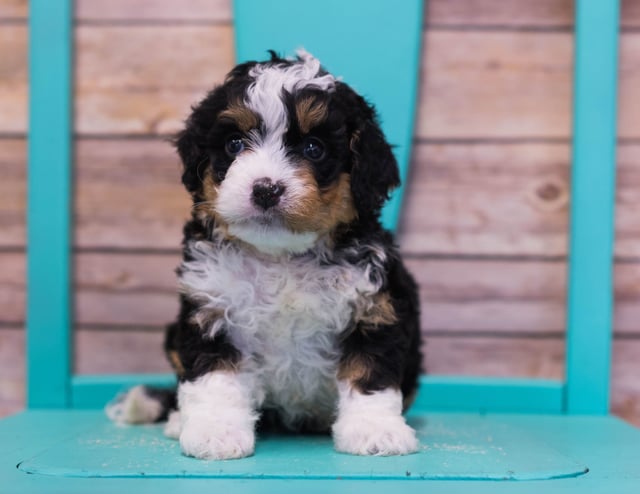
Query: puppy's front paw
[[213, 439], [385, 435]]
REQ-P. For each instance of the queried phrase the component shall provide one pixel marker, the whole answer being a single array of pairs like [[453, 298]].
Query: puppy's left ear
[[374, 170]]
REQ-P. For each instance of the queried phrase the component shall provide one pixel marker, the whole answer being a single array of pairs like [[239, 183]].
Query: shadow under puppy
[[295, 304]]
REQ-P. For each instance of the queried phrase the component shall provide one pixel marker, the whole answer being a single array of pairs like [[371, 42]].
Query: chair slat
[[373, 44], [49, 204], [592, 207]]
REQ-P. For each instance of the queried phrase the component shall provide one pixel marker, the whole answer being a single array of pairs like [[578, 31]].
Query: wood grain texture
[[494, 199], [12, 374], [514, 14], [13, 10], [13, 78], [489, 199], [496, 297], [499, 84], [141, 79], [154, 10], [492, 13], [12, 289], [439, 13], [128, 194], [505, 199], [117, 351], [13, 168], [486, 214]]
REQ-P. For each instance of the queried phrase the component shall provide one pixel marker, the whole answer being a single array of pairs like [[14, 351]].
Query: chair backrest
[[51, 382]]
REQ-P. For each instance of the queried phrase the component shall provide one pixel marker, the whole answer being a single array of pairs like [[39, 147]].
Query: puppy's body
[[294, 301]]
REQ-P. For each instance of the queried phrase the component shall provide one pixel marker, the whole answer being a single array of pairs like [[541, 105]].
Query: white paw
[[173, 426], [213, 439], [134, 407], [383, 435]]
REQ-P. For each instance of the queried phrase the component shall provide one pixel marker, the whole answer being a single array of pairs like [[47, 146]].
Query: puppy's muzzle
[[266, 193]]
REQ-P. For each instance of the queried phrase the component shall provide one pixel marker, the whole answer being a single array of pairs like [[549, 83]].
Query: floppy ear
[[191, 149], [191, 142], [374, 170]]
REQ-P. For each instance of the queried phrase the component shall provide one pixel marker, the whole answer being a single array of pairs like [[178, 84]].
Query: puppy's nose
[[266, 193]]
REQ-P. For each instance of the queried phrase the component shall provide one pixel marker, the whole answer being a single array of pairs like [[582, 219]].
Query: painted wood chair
[[526, 435]]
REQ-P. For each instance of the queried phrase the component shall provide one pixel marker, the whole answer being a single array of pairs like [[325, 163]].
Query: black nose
[[266, 193]]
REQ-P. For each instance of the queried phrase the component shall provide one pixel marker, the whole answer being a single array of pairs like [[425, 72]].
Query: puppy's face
[[283, 153]]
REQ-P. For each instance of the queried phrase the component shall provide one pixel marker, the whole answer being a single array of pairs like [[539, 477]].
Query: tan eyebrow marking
[[310, 112], [244, 118]]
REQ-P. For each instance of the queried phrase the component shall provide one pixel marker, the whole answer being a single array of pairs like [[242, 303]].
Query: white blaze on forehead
[[264, 95]]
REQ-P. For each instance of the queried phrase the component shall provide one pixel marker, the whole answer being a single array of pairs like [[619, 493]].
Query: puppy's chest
[[293, 306]]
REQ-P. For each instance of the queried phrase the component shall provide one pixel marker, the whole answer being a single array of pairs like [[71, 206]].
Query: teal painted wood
[[94, 391], [592, 207], [373, 44], [606, 445], [453, 447], [496, 395], [436, 393], [49, 199]]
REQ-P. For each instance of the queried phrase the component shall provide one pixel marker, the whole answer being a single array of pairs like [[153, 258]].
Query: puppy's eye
[[313, 149], [234, 145]]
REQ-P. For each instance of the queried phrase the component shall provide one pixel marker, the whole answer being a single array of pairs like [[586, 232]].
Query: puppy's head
[[283, 153]]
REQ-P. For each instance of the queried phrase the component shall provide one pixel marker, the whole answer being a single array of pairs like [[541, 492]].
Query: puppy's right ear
[[190, 145]]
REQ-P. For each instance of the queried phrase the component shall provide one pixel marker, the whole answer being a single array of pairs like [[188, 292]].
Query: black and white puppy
[[296, 308]]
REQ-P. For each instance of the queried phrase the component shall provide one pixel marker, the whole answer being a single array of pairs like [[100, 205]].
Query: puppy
[[296, 309]]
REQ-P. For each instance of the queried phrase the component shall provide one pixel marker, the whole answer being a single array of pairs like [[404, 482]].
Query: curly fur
[[296, 309]]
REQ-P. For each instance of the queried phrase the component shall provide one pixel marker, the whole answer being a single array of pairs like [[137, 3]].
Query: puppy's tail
[[142, 405]]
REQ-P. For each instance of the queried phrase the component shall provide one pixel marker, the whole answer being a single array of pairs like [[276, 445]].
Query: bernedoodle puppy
[[296, 309]]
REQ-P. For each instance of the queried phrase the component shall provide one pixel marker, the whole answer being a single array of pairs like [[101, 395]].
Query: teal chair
[[479, 435]]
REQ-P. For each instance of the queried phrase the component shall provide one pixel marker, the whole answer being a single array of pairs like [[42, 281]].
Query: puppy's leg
[[377, 374], [217, 415], [372, 424]]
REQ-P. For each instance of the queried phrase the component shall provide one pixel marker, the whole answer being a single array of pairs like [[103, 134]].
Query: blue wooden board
[[607, 445], [454, 446]]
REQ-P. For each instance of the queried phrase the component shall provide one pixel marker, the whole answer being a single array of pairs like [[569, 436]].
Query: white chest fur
[[284, 315]]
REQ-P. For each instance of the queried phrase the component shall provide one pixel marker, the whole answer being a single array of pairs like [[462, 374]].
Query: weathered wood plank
[[475, 84], [502, 84], [128, 194], [625, 392], [487, 198], [439, 13], [13, 9], [505, 199], [13, 78], [143, 79], [462, 198], [154, 10], [117, 351], [510, 85], [458, 296], [140, 290], [629, 81], [515, 13], [491, 13], [12, 288], [540, 358], [12, 371], [128, 352], [12, 192], [479, 199]]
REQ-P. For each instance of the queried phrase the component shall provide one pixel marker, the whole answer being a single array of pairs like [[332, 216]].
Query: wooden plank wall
[[485, 221]]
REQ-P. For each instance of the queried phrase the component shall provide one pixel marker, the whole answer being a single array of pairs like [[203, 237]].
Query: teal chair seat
[[477, 435]]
